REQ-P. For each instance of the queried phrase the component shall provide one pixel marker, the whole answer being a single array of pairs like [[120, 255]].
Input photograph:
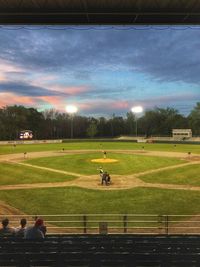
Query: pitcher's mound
[[104, 160]]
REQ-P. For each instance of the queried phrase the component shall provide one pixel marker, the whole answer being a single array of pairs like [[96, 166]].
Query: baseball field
[[62, 178]]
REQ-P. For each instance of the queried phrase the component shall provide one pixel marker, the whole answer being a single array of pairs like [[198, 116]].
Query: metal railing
[[113, 223]]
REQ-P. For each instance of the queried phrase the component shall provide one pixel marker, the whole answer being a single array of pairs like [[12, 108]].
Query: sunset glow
[[103, 71]]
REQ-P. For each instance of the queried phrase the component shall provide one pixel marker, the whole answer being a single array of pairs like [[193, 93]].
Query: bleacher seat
[[102, 251]]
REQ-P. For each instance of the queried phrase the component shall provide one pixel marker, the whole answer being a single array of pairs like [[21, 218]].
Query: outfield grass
[[74, 200], [127, 163], [18, 174], [187, 175], [8, 149]]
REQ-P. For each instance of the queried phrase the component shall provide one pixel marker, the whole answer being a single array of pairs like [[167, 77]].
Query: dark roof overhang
[[99, 12]]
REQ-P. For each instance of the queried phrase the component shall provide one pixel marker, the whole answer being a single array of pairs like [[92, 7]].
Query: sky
[[101, 70]]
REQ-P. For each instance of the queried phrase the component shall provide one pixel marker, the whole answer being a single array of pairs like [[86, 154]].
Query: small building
[[180, 134]]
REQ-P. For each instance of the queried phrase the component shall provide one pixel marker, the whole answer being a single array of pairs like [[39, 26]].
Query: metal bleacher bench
[[102, 250]]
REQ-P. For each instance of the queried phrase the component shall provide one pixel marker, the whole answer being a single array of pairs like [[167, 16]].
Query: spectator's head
[[39, 222], [23, 222], [5, 222]]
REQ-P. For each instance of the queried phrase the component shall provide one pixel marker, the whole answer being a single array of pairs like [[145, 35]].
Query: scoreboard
[[26, 135]]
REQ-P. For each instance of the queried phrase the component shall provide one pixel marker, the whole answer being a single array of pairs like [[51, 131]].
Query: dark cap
[[39, 222]]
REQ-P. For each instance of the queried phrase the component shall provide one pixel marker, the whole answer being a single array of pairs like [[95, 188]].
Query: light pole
[[71, 110], [136, 110]]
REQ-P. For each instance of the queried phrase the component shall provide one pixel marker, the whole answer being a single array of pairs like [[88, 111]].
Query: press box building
[[181, 133]]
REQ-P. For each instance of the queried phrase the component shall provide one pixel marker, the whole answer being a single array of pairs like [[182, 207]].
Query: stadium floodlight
[[71, 109], [136, 110]]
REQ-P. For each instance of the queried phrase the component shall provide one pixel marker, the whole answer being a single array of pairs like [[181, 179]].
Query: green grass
[[74, 200], [188, 175], [127, 163], [8, 149], [18, 174]]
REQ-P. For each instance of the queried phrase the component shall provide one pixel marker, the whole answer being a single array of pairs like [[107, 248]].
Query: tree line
[[51, 124]]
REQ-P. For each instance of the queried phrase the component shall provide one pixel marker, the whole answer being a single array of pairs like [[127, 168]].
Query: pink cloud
[[7, 99], [55, 101], [85, 106], [70, 90], [76, 90], [101, 107], [42, 80], [6, 66], [105, 105], [2, 77], [120, 105]]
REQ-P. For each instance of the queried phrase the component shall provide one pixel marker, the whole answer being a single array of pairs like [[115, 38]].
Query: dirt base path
[[119, 182], [41, 154], [31, 155], [6, 209]]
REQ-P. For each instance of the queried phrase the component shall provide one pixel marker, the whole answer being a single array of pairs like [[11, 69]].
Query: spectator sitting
[[35, 232], [42, 227], [19, 232], [6, 230]]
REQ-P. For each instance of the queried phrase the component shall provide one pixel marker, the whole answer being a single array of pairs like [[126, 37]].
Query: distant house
[[181, 134]]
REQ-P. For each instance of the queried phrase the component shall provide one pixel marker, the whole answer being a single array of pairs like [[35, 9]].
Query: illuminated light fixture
[[137, 109], [71, 109]]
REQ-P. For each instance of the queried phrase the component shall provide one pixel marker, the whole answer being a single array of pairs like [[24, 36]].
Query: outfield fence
[[30, 142], [113, 223]]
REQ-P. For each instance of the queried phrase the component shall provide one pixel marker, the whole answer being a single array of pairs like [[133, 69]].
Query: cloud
[[167, 55], [44, 79], [54, 101], [168, 100], [102, 107], [102, 70], [6, 99], [2, 77], [121, 107], [8, 70], [9, 66], [26, 89], [71, 90], [82, 75]]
